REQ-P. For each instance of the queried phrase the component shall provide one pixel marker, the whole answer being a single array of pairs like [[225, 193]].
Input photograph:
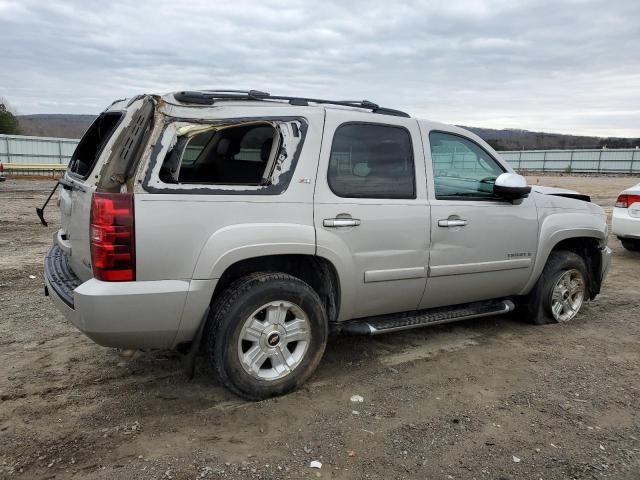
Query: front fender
[[557, 227], [240, 242]]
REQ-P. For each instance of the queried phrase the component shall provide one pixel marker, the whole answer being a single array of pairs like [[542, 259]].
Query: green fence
[[42, 155], [624, 160], [21, 154]]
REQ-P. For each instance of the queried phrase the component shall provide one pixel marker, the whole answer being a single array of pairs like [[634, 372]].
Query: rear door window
[[235, 155], [89, 148], [371, 161]]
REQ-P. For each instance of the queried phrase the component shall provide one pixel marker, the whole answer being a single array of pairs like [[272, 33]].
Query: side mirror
[[511, 186]]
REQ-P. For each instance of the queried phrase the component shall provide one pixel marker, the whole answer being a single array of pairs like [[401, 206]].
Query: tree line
[[526, 140]]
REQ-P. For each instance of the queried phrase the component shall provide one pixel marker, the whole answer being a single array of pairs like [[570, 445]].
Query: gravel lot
[[486, 399]]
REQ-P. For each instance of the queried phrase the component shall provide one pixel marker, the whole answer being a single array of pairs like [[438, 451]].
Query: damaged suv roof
[[256, 97], [194, 105]]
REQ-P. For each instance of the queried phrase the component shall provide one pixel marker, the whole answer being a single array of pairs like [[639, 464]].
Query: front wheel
[[566, 296], [266, 335], [561, 290]]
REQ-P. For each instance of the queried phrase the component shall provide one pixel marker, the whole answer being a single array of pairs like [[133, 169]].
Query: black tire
[[536, 307], [227, 318], [631, 244]]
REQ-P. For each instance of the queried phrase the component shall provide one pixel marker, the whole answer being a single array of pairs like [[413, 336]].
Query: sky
[[555, 66]]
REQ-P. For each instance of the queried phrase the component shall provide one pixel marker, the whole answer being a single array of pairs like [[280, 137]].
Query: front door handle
[[452, 223], [340, 222]]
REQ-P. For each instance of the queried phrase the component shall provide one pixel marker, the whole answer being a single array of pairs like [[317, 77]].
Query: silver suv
[[248, 227]]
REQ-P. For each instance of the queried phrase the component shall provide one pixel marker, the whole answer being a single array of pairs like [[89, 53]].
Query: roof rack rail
[[208, 97]]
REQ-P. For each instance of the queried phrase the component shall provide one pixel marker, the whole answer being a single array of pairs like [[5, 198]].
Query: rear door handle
[[340, 222], [446, 223]]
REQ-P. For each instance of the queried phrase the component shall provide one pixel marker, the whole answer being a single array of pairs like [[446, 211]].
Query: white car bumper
[[625, 222]]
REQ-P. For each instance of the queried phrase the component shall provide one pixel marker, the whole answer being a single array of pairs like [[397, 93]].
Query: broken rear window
[[241, 154], [89, 148]]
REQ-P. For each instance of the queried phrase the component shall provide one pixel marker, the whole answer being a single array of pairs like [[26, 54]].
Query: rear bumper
[[624, 225], [60, 279], [118, 314]]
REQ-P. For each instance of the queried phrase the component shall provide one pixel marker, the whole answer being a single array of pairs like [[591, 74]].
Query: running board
[[422, 318]]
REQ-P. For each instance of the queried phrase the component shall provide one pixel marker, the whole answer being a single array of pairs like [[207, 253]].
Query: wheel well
[[318, 272], [589, 250]]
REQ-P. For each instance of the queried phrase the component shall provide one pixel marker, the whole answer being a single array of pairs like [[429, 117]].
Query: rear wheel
[[631, 244], [266, 335], [560, 292]]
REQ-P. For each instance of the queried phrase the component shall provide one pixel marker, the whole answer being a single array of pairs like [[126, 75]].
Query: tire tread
[[220, 310], [534, 304]]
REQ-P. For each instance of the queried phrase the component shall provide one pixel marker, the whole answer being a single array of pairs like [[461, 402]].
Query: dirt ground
[[490, 398]]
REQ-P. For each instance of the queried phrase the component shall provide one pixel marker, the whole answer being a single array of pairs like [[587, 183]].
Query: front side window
[[461, 168], [371, 161]]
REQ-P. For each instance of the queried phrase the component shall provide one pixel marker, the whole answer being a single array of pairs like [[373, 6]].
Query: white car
[[626, 218]]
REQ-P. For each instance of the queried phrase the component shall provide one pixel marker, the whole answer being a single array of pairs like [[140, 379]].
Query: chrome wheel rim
[[567, 295], [274, 340]]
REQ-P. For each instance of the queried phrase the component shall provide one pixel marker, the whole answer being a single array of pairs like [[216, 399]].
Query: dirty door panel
[[371, 215], [482, 247]]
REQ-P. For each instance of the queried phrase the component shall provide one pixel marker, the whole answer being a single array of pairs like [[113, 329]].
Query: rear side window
[[371, 161], [234, 155], [89, 148]]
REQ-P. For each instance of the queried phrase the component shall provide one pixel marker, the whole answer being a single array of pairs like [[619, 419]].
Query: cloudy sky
[[561, 66]]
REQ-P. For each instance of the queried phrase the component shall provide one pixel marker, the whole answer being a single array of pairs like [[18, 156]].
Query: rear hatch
[[104, 160]]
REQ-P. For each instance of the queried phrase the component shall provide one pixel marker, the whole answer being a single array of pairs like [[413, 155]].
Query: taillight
[[1, 168], [113, 237], [625, 200]]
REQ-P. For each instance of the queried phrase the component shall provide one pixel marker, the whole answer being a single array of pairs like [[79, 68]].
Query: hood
[[560, 192]]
